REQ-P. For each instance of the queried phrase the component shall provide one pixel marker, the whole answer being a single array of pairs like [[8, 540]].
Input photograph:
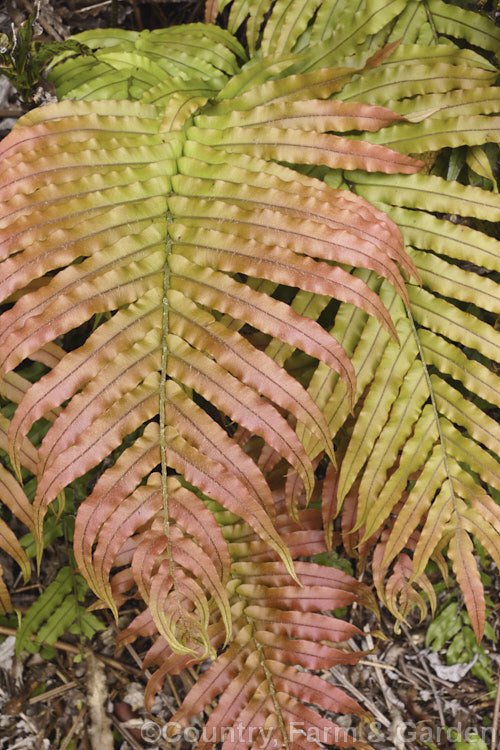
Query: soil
[[91, 696]]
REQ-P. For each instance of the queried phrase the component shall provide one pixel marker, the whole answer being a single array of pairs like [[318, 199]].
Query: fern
[[451, 624], [55, 611], [23, 59], [261, 679], [438, 431], [228, 235]]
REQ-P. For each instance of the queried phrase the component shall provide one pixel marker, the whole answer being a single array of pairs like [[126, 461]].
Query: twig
[[93, 7], [361, 697], [174, 691], [128, 736], [62, 676], [101, 736], [391, 701], [29, 723], [496, 717], [54, 693], [417, 676], [13, 112], [72, 649], [135, 656], [381, 665], [428, 673], [74, 727], [44, 23], [380, 677], [423, 675]]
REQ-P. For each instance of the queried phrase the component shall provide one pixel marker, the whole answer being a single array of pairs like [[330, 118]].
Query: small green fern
[[24, 59], [451, 630], [57, 610]]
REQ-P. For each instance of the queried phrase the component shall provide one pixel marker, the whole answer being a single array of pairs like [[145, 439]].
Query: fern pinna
[[236, 270]]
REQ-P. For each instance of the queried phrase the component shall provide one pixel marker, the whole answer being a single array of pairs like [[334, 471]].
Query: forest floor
[[87, 697]]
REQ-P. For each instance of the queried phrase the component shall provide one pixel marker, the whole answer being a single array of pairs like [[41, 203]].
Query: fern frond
[[8, 540], [256, 677], [419, 73], [430, 441], [422, 442], [5, 601], [464, 24], [54, 612], [12, 494], [204, 221], [127, 64], [370, 17], [169, 233]]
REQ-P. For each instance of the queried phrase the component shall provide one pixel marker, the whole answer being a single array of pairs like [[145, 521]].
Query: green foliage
[[451, 628], [57, 610], [473, 742], [333, 560], [23, 60]]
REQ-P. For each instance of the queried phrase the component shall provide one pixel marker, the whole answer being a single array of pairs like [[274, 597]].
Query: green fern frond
[[55, 611], [128, 64], [452, 315]]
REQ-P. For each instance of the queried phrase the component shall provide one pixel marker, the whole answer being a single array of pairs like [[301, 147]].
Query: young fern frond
[[277, 627]]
